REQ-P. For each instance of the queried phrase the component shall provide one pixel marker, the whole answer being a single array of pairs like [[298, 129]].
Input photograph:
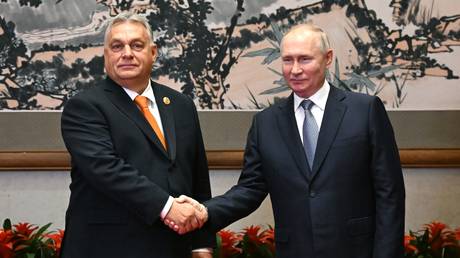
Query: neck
[[135, 85]]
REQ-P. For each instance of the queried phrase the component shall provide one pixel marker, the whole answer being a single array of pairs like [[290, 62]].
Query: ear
[[329, 56], [154, 50]]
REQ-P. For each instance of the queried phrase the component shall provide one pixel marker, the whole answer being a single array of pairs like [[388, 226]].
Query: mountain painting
[[225, 54]]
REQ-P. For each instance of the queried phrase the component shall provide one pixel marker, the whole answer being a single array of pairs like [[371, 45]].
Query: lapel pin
[[166, 100]]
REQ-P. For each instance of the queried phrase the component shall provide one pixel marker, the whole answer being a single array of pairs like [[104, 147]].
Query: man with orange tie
[[135, 146]]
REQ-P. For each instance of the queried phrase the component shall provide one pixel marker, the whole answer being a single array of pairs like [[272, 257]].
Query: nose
[[296, 69], [127, 51]]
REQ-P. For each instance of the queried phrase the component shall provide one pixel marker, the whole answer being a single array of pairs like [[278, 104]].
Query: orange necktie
[[142, 102]]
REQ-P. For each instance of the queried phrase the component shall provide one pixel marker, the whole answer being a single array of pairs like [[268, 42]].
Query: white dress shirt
[[153, 107], [319, 100]]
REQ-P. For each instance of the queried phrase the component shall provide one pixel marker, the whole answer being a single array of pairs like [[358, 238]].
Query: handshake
[[186, 214]]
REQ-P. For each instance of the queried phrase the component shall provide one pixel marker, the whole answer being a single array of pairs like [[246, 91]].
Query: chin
[[299, 88], [126, 75], [303, 93]]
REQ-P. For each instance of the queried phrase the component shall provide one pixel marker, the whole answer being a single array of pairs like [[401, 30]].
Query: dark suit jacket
[[351, 205], [122, 176]]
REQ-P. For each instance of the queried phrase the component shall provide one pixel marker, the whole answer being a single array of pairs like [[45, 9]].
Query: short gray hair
[[129, 17], [324, 42]]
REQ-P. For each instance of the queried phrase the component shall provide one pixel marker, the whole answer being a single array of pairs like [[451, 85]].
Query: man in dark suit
[[329, 161], [135, 145]]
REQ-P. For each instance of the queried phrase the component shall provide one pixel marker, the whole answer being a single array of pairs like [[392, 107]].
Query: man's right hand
[[185, 215], [181, 218], [200, 210]]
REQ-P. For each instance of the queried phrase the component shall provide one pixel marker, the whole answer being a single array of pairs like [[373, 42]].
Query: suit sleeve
[[204, 237], [388, 185], [251, 189], [87, 137]]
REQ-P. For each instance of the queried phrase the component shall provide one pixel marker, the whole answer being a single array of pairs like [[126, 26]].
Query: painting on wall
[[225, 54]]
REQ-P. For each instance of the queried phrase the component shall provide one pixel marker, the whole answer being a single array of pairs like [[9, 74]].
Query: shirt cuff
[[202, 250], [167, 207]]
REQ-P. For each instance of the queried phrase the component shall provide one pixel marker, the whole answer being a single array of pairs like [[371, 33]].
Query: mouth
[[297, 80], [127, 66]]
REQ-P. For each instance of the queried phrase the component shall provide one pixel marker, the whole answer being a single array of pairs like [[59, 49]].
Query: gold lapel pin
[[166, 100]]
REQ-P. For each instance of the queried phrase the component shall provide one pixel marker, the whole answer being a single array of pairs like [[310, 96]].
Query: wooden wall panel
[[217, 159]]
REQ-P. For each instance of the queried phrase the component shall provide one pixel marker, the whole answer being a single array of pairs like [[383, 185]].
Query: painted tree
[[13, 54], [205, 56]]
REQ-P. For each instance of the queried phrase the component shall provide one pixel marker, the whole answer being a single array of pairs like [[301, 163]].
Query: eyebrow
[[123, 39], [295, 56]]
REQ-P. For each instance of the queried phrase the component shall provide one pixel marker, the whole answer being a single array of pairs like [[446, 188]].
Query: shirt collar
[[319, 98], [148, 93]]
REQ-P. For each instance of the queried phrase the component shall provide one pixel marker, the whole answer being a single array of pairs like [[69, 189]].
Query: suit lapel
[[332, 119], [288, 127], [124, 103], [167, 117]]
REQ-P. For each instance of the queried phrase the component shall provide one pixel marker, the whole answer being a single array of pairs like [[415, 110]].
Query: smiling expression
[[304, 63]]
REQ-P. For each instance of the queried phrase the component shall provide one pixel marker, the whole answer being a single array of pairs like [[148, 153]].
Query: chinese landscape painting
[[225, 54]]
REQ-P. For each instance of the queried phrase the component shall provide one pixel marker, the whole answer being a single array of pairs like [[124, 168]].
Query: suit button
[[312, 194]]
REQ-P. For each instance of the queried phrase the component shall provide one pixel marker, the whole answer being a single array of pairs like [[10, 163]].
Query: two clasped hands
[[186, 214]]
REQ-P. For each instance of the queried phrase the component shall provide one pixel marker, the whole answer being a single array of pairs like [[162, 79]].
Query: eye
[[304, 59], [137, 46], [287, 60], [116, 47]]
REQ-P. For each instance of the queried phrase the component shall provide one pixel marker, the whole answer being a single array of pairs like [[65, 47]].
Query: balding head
[[310, 30]]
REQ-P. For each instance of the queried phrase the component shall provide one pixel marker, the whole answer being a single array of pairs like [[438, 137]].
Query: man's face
[[303, 64], [129, 55]]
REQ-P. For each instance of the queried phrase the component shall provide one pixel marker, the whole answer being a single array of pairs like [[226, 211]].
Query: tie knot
[[141, 101], [307, 104]]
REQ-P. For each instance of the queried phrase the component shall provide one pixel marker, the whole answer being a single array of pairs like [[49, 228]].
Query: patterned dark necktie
[[310, 132]]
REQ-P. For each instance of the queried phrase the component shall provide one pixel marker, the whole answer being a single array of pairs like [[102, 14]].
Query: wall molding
[[217, 159], [430, 158]]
